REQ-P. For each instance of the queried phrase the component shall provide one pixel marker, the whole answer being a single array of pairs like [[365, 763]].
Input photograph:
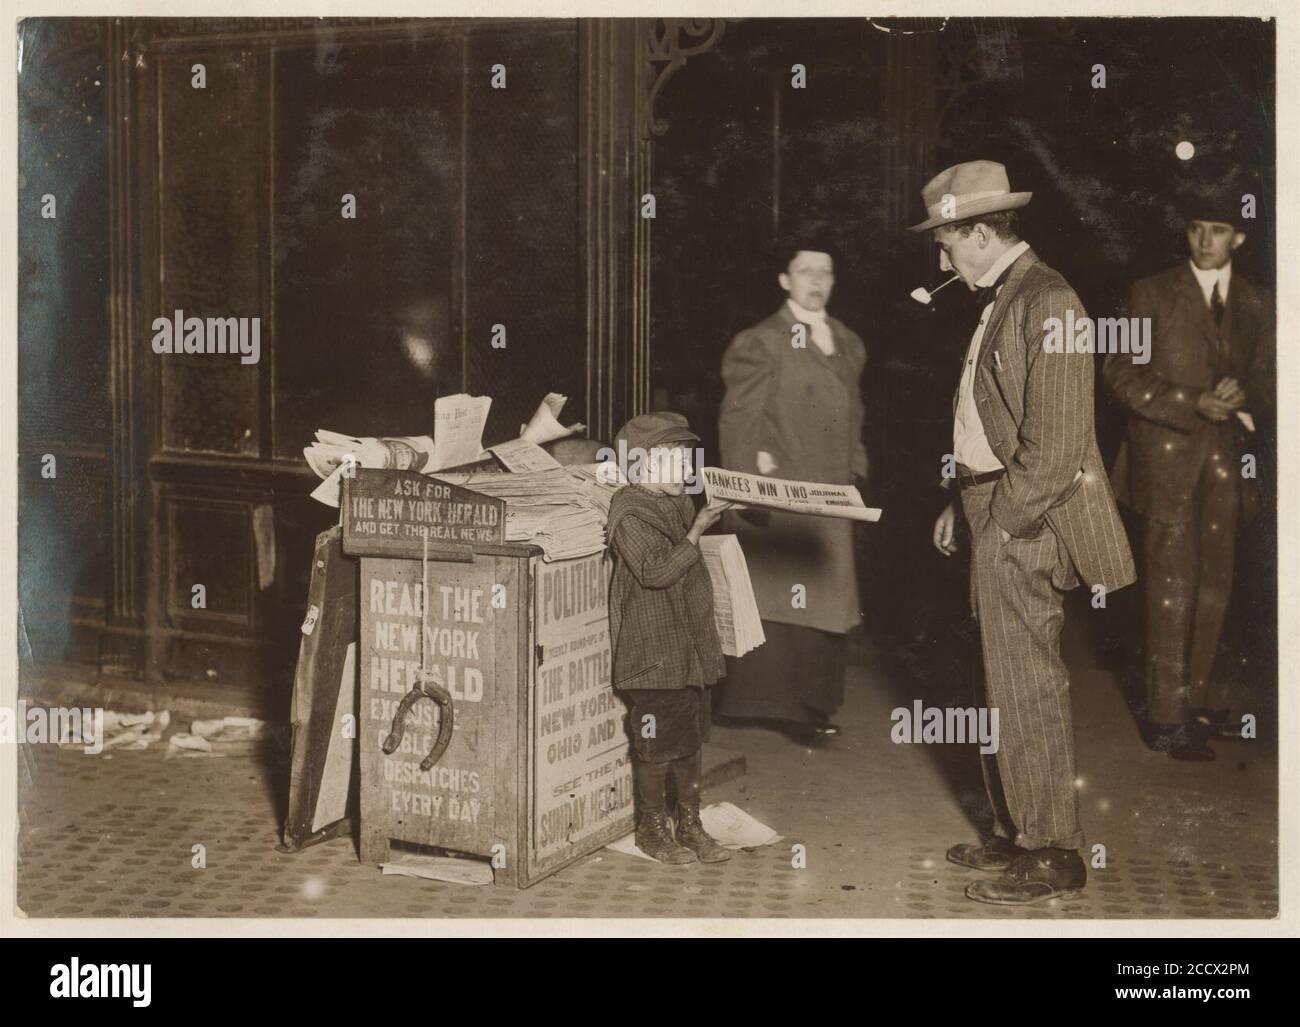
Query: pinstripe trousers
[[1015, 598]]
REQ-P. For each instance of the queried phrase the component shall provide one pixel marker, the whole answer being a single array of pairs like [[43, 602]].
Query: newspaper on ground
[[735, 611], [439, 868], [223, 736], [129, 732], [729, 825], [819, 499]]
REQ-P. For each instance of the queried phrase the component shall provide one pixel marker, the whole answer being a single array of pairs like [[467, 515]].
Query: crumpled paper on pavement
[[125, 731], [439, 868], [226, 736], [729, 825]]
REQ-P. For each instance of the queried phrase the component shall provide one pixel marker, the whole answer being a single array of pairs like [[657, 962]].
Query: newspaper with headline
[[819, 499]]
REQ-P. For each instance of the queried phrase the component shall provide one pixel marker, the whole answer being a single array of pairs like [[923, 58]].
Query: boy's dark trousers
[[652, 781]]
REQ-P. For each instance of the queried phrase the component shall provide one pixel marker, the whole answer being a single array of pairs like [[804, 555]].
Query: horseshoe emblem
[[427, 687]]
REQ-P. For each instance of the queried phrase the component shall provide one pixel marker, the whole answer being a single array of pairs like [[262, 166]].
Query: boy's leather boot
[[690, 829], [655, 840], [691, 833], [653, 836]]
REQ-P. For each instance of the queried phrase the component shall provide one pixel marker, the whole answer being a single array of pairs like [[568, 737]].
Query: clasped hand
[[1222, 401]]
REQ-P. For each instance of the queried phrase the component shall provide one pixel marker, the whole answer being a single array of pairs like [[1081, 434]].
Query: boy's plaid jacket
[[660, 597]]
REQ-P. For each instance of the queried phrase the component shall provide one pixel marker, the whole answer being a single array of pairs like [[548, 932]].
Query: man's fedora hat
[[976, 187], [1214, 207]]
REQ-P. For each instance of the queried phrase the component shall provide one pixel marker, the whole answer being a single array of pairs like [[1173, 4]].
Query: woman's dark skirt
[[797, 675], [681, 721]]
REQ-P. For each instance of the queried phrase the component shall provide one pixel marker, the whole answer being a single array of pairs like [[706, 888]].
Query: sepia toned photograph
[[648, 468]]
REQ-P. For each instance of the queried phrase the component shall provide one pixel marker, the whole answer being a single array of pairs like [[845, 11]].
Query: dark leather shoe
[[1209, 724], [1034, 877], [1207, 717], [655, 839], [691, 833], [1179, 742], [996, 854], [812, 734]]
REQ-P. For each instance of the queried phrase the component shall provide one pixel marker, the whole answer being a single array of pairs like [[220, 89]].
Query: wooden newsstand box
[[537, 773]]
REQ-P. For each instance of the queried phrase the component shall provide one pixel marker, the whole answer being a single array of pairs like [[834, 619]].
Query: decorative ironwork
[[168, 27], [667, 48]]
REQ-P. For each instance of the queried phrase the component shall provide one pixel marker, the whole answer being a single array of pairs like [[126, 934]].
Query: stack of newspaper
[[735, 613], [457, 440], [597, 486], [553, 509]]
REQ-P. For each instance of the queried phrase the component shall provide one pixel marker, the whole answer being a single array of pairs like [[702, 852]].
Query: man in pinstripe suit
[[1042, 519]]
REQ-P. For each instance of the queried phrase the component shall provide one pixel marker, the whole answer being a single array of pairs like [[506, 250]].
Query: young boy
[[665, 647]]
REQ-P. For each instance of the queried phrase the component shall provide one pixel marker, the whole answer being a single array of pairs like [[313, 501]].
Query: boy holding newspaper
[[665, 645]]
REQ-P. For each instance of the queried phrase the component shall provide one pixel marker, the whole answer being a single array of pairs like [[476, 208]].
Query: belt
[[966, 477]]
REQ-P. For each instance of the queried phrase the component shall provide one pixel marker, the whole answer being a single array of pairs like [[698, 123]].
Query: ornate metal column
[[625, 65], [614, 158]]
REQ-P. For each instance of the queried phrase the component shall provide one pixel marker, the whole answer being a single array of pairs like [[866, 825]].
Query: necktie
[[1216, 305], [986, 294]]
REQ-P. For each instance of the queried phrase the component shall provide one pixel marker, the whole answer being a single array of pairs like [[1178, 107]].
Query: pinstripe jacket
[[660, 596], [1036, 407]]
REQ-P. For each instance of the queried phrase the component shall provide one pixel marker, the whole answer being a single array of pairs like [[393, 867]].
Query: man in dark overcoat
[[1187, 469], [793, 409]]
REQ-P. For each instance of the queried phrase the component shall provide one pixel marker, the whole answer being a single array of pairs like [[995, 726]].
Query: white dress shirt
[[816, 320], [1206, 280], [970, 446]]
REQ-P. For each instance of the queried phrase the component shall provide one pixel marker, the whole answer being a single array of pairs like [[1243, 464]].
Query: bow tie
[[986, 294]]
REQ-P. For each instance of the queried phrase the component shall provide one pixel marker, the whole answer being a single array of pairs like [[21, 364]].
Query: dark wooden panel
[[521, 240], [363, 305], [219, 663], [210, 542], [214, 243]]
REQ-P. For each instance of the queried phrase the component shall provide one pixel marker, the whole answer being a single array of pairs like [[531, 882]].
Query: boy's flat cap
[[648, 431]]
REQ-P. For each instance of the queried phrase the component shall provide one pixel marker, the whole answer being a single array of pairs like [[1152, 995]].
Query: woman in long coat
[[793, 409]]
